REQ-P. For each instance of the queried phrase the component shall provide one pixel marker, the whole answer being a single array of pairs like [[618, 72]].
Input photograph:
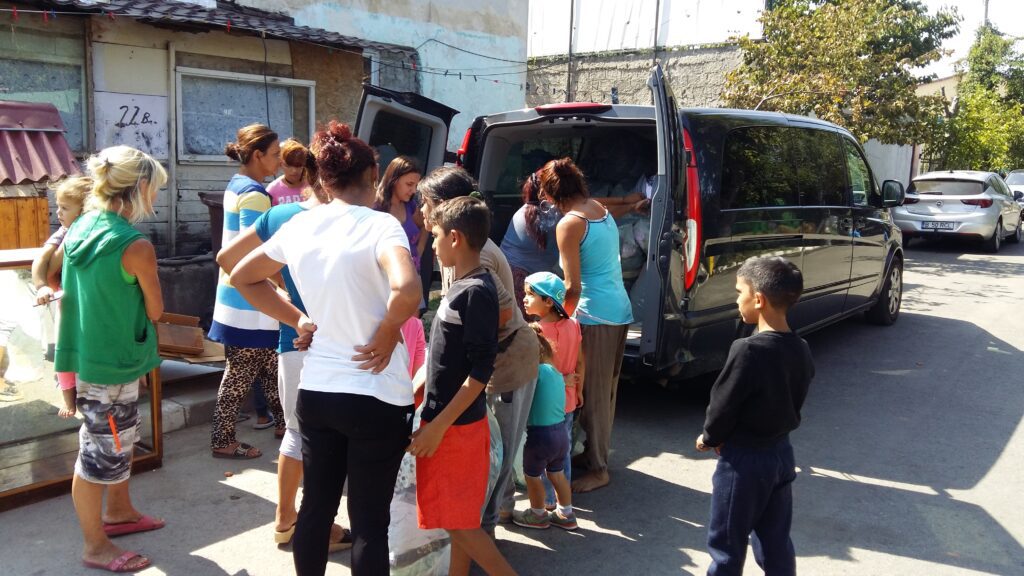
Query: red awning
[[32, 144]]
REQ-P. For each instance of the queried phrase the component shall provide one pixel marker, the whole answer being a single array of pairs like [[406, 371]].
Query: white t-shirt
[[332, 254]]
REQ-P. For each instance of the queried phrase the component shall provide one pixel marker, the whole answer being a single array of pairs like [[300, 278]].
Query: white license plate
[[938, 225]]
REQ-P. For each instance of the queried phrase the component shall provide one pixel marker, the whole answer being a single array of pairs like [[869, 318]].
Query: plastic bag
[[413, 551]]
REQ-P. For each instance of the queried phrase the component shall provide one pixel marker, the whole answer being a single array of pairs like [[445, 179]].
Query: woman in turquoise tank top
[[588, 245]]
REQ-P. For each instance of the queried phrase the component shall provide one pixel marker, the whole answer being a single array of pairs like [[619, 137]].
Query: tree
[[985, 129], [851, 62]]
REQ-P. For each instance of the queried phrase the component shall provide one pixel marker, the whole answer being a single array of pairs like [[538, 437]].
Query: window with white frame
[[213, 105]]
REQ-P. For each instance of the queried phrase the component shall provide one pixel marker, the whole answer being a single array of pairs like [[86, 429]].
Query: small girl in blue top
[[546, 447]]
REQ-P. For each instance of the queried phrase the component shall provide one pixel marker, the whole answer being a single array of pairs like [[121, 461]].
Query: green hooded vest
[[105, 336]]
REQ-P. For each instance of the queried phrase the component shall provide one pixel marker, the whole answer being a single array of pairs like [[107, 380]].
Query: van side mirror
[[1018, 195], [892, 194]]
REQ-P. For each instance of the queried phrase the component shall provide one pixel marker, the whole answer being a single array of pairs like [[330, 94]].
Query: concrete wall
[[496, 28], [697, 75]]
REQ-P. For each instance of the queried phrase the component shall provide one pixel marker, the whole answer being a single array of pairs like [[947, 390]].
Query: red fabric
[[451, 485]]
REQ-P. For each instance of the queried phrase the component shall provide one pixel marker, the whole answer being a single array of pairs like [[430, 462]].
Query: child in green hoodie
[[111, 298]]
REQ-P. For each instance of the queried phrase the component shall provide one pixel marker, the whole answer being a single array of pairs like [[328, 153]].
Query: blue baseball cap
[[549, 285]]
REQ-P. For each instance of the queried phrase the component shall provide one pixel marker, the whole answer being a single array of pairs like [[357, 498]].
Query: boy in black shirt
[[452, 445], [755, 403]]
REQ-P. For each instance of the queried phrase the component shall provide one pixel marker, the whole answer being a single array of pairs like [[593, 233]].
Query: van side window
[[756, 169], [819, 171], [766, 166], [861, 184]]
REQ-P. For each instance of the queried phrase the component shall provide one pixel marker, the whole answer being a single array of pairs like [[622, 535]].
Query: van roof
[[630, 111]]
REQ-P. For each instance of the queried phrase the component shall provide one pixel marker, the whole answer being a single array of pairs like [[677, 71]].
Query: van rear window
[[946, 187], [769, 166]]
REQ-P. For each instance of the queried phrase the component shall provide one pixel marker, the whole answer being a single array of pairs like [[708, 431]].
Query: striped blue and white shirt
[[235, 321]]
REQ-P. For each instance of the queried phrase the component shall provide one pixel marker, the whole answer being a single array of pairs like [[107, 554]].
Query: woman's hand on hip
[[305, 331], [376, 355]]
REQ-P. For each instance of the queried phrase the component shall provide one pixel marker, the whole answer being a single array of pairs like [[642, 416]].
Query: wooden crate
[[24, 222]]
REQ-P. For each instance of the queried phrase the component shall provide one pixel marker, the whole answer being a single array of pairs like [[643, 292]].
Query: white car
[[960, 203], [1015, 180]]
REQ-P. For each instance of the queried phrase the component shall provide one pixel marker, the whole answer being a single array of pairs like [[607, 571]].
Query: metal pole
[[568, 71], [986, 14], [657, 9]]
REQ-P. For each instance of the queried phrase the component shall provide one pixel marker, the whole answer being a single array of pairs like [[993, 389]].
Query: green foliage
[[985, 130], [846, 61]]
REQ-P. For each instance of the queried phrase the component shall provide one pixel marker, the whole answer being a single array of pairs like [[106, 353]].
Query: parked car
[[724, 185], [1015, 180], [962, 204]]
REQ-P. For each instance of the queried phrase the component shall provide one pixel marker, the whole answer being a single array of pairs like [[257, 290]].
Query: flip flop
[[284, 537], [241, 452], [242, 417], [344, 544], [144, 524], [279, 433], [119, 564]]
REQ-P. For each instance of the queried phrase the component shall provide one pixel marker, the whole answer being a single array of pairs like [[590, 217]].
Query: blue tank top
[[603, 298]]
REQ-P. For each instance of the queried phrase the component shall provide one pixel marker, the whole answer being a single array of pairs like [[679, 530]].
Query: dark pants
[[361, 439], [752, 491]]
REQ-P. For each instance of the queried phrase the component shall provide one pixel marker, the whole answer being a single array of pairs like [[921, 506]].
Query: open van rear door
[[662, 278], [404, 124]]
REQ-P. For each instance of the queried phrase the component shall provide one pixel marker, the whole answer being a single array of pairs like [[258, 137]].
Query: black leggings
[[361, 439]]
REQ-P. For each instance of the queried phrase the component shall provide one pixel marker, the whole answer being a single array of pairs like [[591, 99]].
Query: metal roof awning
[[232, 18], [32, 144]]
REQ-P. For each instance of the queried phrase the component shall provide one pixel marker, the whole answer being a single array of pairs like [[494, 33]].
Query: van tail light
[[694, 231], [910, 200], [981, 202], [460, 154]]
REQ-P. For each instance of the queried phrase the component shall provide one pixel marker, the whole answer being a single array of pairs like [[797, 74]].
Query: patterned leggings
[[244, 366]]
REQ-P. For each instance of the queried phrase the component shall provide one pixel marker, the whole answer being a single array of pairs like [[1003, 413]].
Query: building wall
[[604, 25], [131, 63], [697, 75], [496, 28]]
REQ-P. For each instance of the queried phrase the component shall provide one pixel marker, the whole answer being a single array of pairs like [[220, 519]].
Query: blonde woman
[[111, 298]]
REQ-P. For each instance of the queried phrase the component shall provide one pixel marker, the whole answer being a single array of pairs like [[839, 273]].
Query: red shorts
[[451, 485]]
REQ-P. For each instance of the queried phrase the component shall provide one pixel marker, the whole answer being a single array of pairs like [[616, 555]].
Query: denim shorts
[[101, 458], [546, 447]]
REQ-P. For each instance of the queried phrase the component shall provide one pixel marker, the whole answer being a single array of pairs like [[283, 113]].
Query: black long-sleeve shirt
[[758, 396], [463, 343]]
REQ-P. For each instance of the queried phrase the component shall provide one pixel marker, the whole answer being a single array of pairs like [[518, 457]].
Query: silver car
[[960, 203], [1015, 180]]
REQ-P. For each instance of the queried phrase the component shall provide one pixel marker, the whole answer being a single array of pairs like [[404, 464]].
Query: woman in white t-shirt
[[353, 269]]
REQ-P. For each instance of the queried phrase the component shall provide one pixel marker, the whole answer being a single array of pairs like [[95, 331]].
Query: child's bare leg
[[479, 547], [563, 490], [69, 408], [535, 491], [460, 562]]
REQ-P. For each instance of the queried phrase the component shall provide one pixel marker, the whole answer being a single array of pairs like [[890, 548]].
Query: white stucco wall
[[602, 25], [496, 28], [889, 161]]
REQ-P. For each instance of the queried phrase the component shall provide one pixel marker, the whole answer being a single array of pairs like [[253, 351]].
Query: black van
[[724, 185]]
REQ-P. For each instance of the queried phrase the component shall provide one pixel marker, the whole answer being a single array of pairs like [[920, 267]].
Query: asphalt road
[[910, 461]]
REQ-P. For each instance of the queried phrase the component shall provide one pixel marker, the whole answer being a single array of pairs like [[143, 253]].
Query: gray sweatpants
[[603, 347], [511, 418]]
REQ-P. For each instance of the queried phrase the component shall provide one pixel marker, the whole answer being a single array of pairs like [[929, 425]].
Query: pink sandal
[[120, 564], [144, 524]]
